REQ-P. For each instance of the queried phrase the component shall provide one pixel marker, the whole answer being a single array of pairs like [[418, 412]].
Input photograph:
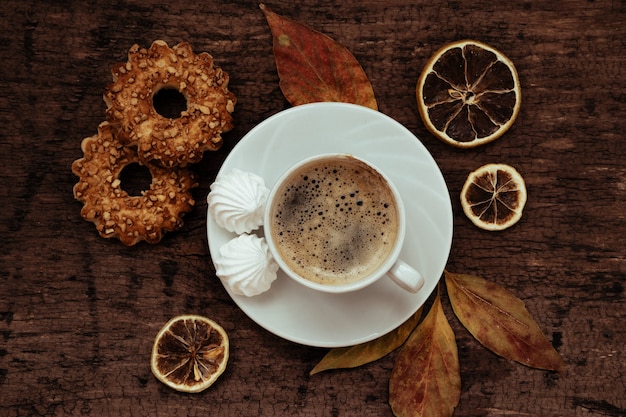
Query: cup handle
[[406, 277]]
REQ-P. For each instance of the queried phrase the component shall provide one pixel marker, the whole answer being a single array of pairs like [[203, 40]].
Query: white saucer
[[312, 318]]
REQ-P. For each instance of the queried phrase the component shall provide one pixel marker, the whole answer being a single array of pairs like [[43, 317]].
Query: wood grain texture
[[78, 313]]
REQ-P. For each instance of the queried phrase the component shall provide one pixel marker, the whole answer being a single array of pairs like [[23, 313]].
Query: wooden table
[[78, 313]]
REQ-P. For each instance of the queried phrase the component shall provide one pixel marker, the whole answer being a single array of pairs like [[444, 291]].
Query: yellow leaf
[[426, 380], [500, 321], [353, 356]]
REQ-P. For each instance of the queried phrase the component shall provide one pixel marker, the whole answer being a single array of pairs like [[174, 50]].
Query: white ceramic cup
[[399, 271]]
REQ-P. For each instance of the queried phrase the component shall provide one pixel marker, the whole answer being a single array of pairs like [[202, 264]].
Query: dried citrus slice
[[494, 196], [468, 94], [189, 353]]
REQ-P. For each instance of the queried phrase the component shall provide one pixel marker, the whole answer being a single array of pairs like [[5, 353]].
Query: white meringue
[[237, 200], [246, 265]]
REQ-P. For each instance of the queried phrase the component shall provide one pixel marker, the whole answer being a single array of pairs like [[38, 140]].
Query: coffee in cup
[[336, 223]]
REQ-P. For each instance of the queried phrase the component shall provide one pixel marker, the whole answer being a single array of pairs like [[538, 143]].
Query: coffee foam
[[336, 221]]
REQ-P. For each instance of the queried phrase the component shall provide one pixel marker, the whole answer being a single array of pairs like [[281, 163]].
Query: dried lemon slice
[[493, 196], [468, 94], [189, 353]]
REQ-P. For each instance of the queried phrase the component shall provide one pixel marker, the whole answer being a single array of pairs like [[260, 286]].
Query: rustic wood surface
[[78, 313]]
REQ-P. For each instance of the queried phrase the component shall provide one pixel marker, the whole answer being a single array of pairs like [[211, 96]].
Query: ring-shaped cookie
[[116, 213], [170, 141]]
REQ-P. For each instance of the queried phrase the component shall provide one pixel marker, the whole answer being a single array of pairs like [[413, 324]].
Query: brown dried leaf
[[353, 356], [500, 321], [312, 67], [426, 379]]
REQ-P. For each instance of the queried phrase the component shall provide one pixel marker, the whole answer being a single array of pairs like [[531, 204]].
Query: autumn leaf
[[312, 67], [353, 356], [426, 380], [500, 321]]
